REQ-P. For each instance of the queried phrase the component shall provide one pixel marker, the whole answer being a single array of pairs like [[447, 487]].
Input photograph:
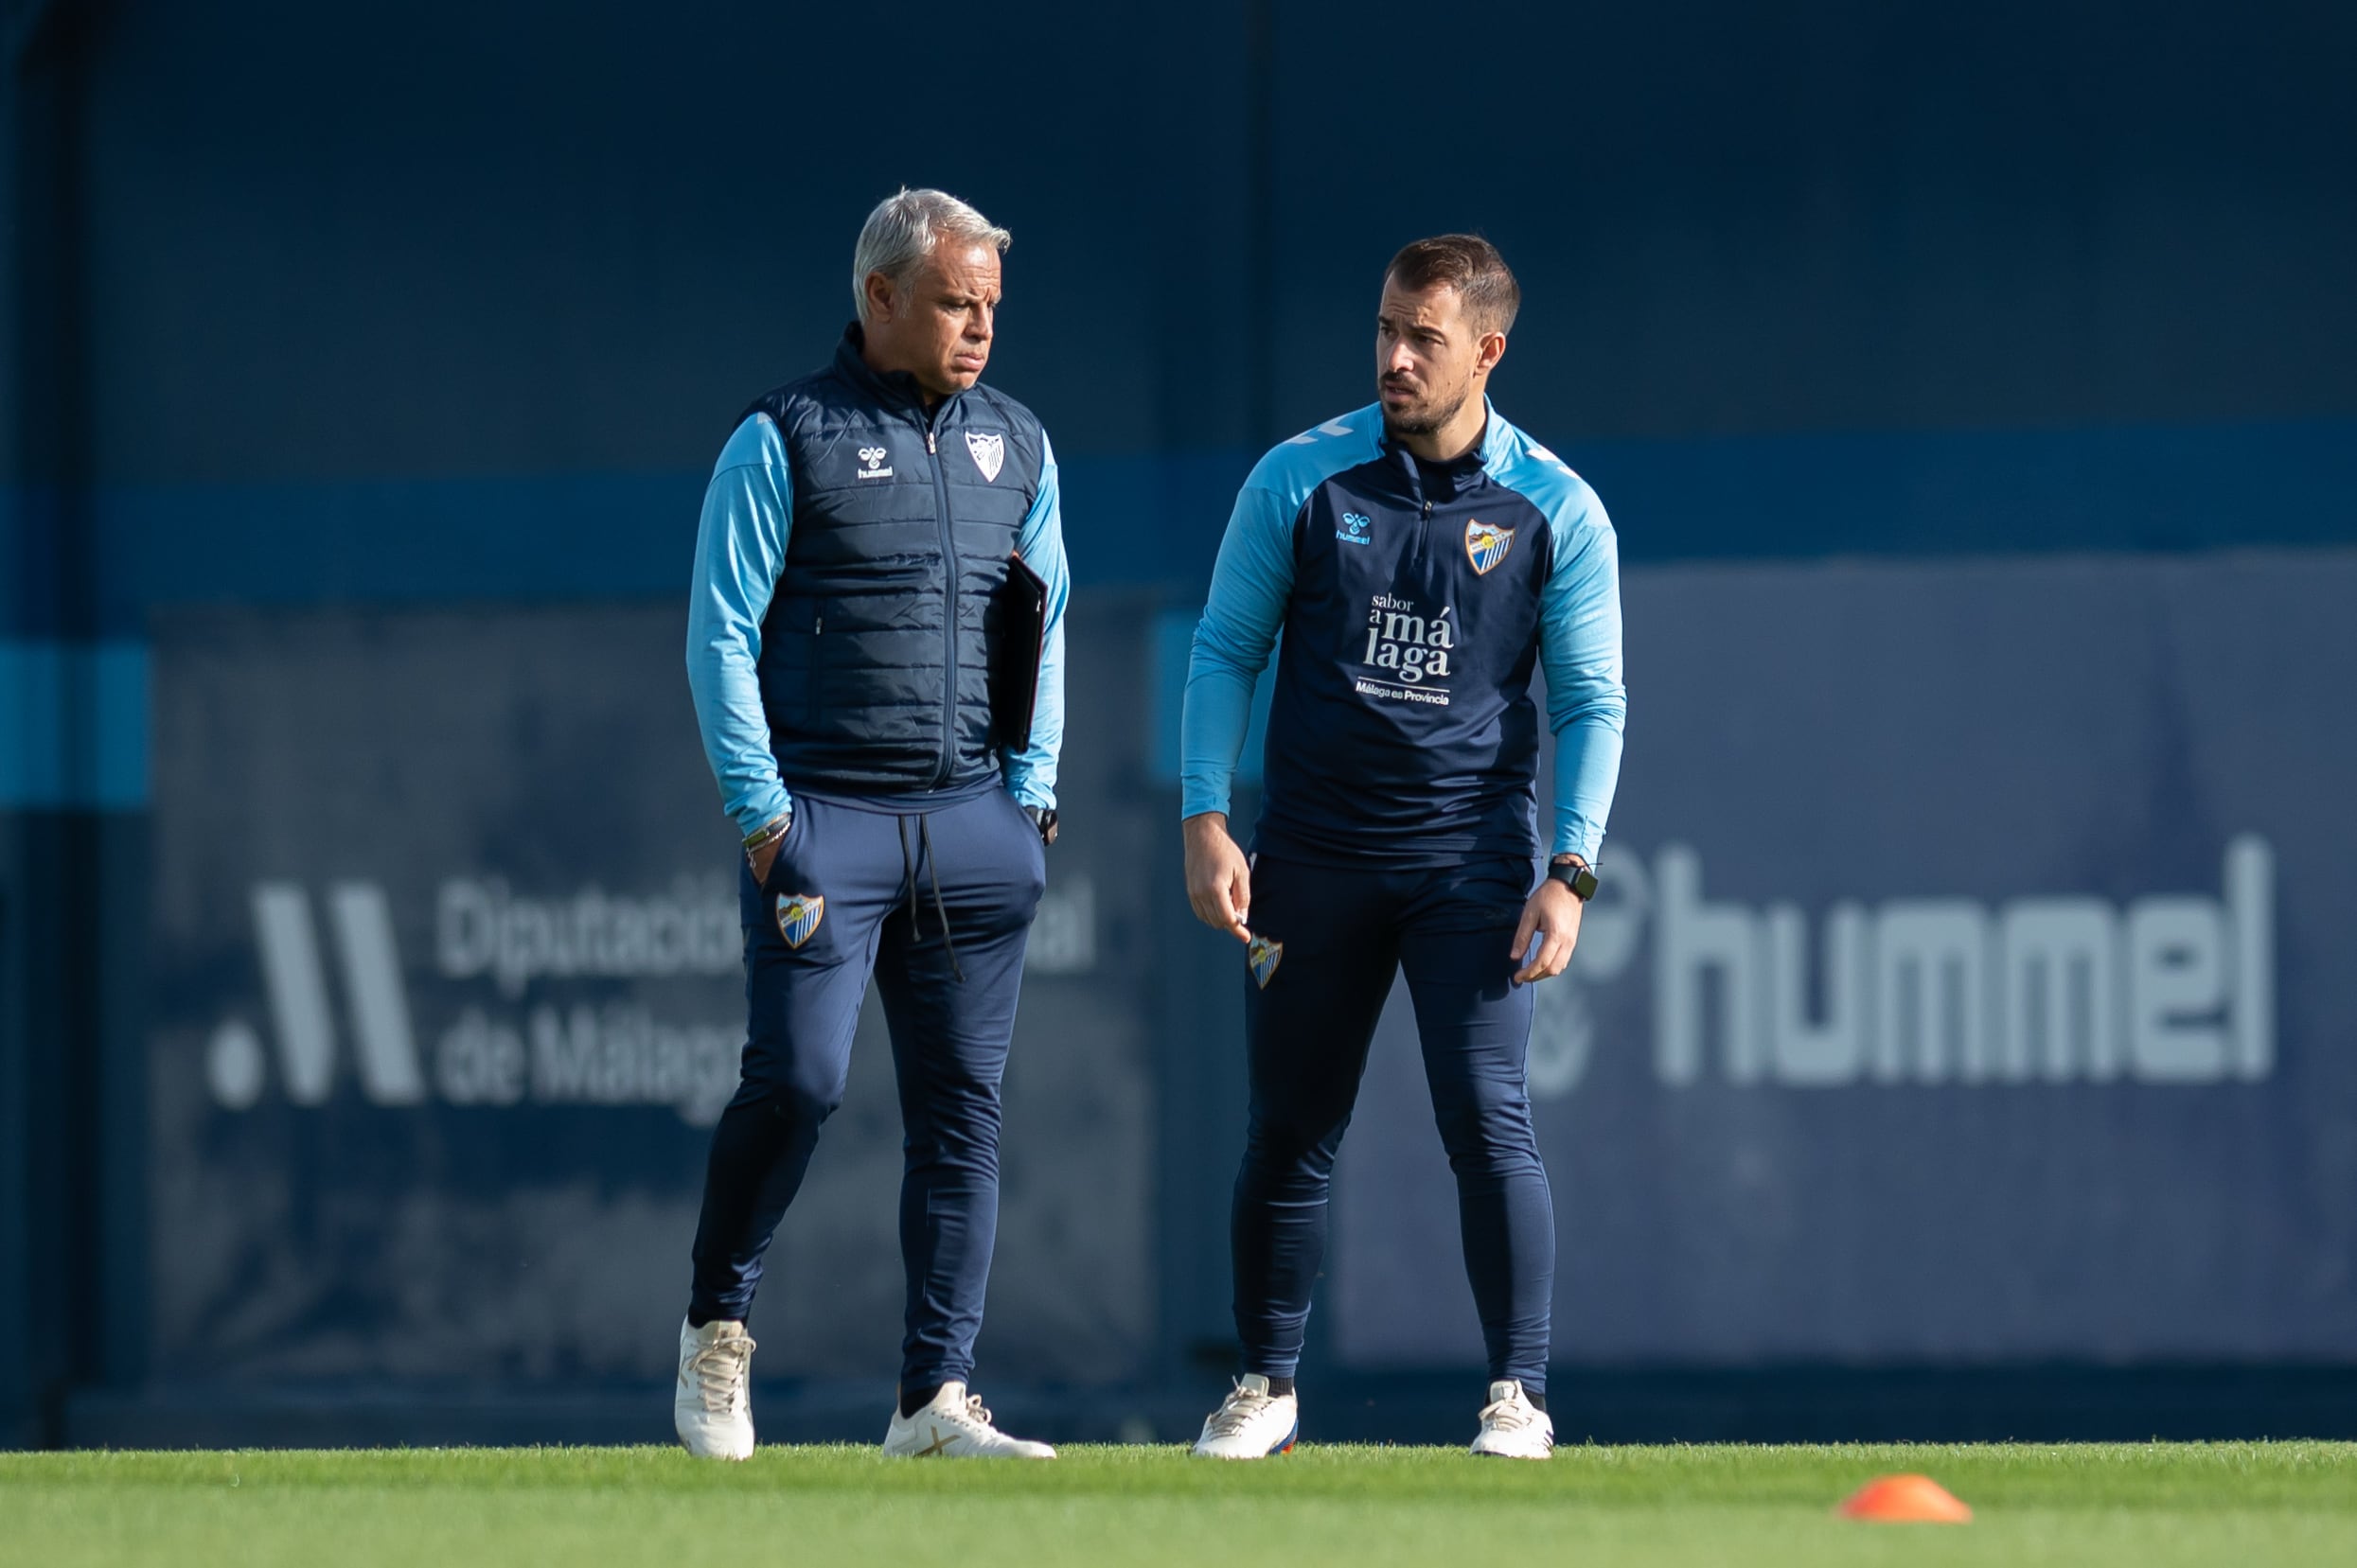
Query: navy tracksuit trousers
[[1342, 936], [935, 900]]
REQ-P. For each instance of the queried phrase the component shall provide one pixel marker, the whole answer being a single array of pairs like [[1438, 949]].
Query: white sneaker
[[1512, 1427], [712, 1408], [1251, 1424], [955, 1426]]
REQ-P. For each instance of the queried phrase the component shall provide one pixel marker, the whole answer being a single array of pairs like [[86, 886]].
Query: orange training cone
[[1905, 1500]]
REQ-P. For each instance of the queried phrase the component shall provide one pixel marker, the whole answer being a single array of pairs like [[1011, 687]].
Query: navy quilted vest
[[877, 647]]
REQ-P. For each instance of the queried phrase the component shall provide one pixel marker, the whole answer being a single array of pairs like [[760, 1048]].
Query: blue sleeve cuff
[[763, 809]]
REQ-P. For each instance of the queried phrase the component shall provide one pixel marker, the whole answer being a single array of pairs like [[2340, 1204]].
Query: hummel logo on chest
[[872, 459]]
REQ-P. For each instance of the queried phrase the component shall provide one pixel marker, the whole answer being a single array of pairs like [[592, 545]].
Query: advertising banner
[[1965, 983], [447, 994], [1963, 987]]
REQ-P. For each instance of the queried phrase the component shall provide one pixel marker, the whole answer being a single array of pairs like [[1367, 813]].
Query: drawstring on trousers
[[908, 886]]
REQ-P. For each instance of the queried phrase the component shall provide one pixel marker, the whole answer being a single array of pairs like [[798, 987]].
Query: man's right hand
[[1219, 881], [763, 859]]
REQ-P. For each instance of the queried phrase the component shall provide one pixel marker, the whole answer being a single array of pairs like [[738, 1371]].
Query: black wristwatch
[[1042, 817], [1576, 876]]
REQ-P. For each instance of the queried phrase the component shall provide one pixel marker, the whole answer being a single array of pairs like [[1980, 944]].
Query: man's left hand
[[1553, 914]]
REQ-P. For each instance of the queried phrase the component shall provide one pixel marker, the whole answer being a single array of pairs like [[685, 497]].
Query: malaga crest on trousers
[[798, 915], [1264, 955]]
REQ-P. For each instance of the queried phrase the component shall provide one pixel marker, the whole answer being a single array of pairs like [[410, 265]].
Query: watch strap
[[1579, 878]]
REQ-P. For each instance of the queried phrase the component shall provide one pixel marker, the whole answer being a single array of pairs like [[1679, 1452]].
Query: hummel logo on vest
[[873, 459]]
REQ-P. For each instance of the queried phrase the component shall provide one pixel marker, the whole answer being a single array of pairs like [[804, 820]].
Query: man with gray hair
[[874, 644]]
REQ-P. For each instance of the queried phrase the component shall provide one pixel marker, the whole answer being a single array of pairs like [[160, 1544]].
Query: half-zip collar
[[1431, 483], [1439, 482]]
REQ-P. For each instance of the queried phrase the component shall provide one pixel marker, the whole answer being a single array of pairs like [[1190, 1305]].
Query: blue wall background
[[304, 315]]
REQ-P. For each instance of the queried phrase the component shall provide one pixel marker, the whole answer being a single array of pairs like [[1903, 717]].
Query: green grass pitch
[[2239, 1505]]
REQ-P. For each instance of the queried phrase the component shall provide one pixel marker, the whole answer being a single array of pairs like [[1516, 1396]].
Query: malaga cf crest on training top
[[1263, 956], [989, 454], [1486, 545], [798, 915]]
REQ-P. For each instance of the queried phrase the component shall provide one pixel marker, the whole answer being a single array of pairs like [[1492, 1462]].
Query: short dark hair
[[1470, 264]]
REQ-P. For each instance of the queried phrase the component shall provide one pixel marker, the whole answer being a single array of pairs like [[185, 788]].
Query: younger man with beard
[[1421, 556]]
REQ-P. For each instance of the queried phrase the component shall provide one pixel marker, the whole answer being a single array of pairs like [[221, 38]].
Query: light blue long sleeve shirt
[[740, 550], [1580, 629]]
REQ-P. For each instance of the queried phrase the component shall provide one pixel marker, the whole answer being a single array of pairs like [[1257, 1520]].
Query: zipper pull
[[929, 442], [1428, 511]]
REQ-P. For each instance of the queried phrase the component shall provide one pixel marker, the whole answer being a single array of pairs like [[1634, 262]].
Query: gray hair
[[902, 231]]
